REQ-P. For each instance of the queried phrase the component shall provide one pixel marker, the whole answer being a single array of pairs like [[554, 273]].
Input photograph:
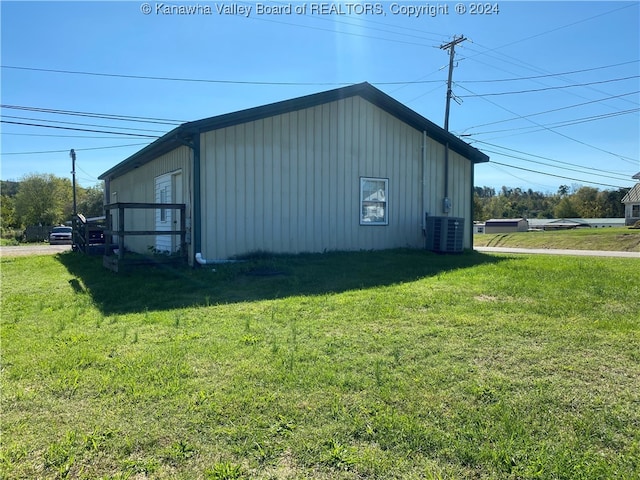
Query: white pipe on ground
[[203, 261]]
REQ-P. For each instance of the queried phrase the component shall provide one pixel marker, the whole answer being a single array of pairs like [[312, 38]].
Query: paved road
[[40, 249], [550, 251]]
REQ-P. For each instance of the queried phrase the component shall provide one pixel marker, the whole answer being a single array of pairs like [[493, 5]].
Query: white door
[[163, 215], [176, 194]]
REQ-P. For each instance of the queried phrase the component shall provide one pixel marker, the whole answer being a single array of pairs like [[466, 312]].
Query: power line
[[553, 110], [105, 116], [76, 149], [621, 157], [79, 129], [361, 35], [554, 166], [565, 123], [61, 136], [333, 21], [83, 124], [255, 82], [206, 80], [548, 88], [543, 158], [557, 28], [548, 75], [491, 164], [170, 79], [538, 35], [553, 175]]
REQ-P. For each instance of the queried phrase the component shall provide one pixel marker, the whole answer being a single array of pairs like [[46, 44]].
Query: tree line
[[568, 202], [45, 199]]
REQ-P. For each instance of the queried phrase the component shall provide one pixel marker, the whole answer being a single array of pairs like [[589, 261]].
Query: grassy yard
[[621, 239], [380, 365]]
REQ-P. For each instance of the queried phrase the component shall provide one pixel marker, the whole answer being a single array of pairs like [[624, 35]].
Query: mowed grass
[[622, 239], [382, 365]]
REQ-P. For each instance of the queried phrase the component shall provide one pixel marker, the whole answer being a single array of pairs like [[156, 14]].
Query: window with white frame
[[163, 199], [373, 201]]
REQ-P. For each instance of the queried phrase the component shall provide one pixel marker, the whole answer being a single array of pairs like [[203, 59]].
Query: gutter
[[196, 216]]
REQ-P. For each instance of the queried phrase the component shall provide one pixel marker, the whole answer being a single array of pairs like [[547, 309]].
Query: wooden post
[[120, 232], [107, 236], [183, 231]]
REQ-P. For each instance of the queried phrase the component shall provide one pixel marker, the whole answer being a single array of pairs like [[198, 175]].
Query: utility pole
[[74, 220], [451, 46], [72, 154]]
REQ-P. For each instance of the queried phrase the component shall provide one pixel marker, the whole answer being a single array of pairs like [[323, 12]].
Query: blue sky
[[549, 87]]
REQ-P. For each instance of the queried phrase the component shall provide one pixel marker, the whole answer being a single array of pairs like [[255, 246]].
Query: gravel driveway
[[40, 249]]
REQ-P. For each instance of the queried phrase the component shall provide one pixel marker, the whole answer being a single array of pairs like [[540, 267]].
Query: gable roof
[[633, 196], [183, 134]]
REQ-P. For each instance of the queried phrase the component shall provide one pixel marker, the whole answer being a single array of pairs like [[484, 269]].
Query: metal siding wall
[[460, 191], [434, 177], [290, 183], [139, 186], [459, 185]]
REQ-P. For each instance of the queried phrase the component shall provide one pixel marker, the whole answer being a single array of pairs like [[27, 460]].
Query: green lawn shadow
[[263, 277]]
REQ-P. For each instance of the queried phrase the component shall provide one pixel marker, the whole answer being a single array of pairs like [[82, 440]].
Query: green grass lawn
[[381, 365], [621, 239]]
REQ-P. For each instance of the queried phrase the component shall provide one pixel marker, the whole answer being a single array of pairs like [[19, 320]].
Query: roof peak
[[183, 134]]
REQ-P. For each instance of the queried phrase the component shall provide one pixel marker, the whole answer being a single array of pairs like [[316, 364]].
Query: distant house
[[345, 169], [478, 227], [571, 223], [632, 203], [506, 225]]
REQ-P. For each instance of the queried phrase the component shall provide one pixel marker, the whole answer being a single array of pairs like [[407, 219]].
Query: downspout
[[196, 221], [470, 223], [423, 208], [196, 214], [446, 202]]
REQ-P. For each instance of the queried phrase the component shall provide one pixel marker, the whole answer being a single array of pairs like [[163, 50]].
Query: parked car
[[61, 236]]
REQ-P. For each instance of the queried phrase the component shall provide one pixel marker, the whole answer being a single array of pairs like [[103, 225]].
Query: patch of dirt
[[485, 298]]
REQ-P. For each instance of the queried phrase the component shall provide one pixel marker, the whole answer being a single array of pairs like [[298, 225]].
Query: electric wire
[[554, 175], [621, 157], [82, 124], [76, 149], [564, 123], [555, 166], [545, 158], [105, 116], [522, 64], [526, 181], [558, 87], [62, 136], [552, 110], [546, 32], [79, 129], [550, 75]]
